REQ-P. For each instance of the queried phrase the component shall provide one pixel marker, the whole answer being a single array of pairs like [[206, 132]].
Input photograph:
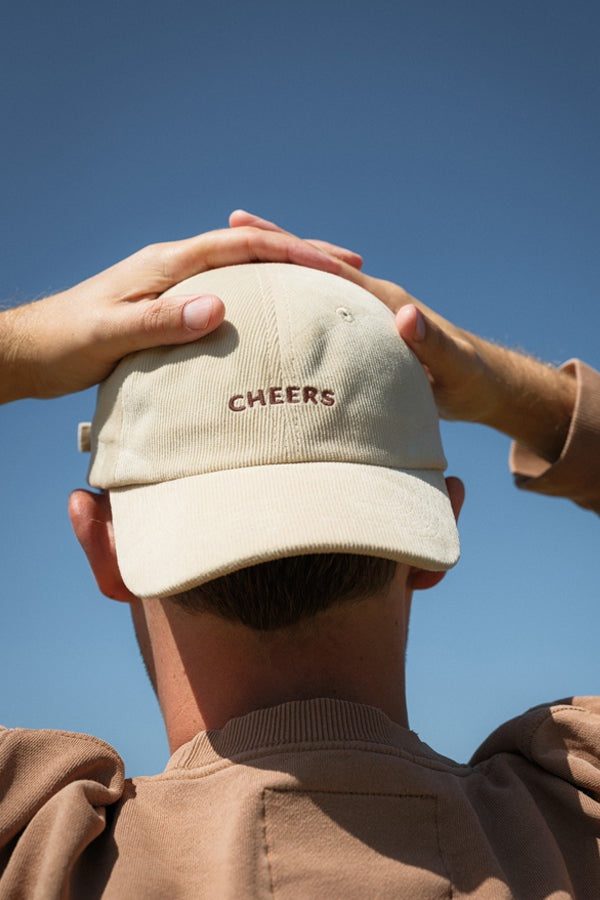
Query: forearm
[[51, 347], [14, 350], [529, 401], [72, 340], [476, 381]]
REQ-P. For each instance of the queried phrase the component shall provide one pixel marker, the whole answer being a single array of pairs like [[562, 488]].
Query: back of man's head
[[297, 443]]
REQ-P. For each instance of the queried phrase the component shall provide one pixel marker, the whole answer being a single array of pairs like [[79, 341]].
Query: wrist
[[528, 400]]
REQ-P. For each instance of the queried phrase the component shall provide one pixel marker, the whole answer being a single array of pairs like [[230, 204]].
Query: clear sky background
[[455, 145]]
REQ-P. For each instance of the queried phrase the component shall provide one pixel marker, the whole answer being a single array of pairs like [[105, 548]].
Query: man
[[293, 772]]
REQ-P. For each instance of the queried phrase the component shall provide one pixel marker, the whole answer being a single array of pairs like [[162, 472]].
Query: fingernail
[[197, 313], [419, 327]]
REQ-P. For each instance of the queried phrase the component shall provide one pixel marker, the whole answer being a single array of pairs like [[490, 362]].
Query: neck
[[208, 670]]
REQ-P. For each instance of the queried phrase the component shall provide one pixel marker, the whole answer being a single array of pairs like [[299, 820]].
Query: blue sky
[[455, 145]]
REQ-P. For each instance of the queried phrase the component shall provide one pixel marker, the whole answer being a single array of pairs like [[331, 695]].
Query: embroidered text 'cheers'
[[274, 396]]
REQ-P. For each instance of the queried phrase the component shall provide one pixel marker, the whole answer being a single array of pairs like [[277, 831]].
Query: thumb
[[169, 320], [450, 359], [440, 348], [420, 334]]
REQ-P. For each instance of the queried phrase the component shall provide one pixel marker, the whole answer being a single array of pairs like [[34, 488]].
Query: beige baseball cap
[[303, 424]]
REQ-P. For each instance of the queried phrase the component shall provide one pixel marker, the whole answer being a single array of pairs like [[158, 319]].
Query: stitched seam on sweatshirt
[[76, 735], [266, 844], [438, 839], [304, 791], [392, 795]]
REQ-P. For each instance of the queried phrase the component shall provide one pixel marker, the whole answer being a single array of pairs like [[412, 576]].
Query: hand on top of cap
[[472, 379], [72, 340], [239, 218], [448, 372]]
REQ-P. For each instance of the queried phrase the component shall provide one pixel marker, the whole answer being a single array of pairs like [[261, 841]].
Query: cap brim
[[174, 535]]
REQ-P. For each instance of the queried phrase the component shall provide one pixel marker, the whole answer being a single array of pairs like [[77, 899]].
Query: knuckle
[[157, 258], [253, 243], [154, 317], [166, 261], [148, 253], [248, 231], [256, 239]]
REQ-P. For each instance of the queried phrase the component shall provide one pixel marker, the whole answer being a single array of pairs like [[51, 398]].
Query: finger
[[164, 320], [450, 358], [348, 256], [432, 347], [155, 268], [436, 342], [169, 264], [240, 217], [411, 325], [412, 328]]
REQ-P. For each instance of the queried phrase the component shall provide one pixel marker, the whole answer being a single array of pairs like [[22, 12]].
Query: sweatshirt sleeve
[[576, 473], [55, 789]]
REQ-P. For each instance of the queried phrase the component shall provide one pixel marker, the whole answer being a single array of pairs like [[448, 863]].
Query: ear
[[91, 519], [420, 579]]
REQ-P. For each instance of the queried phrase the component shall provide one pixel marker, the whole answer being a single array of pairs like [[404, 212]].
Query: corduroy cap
[[303, 424]]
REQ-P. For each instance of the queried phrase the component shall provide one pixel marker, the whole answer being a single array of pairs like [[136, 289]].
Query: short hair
[[284, 592]]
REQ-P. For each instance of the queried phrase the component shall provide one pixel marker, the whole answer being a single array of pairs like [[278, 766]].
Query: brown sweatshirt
[[319, 798], [322, 798]]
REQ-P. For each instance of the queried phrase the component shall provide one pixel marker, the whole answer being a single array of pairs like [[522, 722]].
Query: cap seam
[[290, 411], [295, 462], [271, 321], [121, 395]]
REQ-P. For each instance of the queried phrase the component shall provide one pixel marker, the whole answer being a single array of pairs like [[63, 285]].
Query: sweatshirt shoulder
[[562, 737]]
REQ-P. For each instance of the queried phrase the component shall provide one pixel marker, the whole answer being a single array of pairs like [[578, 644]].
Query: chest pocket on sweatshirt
[[353, 845]]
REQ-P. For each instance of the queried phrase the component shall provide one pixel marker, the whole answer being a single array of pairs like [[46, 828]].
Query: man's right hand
[[72, 340]]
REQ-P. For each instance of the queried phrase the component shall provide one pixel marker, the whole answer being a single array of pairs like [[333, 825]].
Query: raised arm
[[72, 340], [553, 415]]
